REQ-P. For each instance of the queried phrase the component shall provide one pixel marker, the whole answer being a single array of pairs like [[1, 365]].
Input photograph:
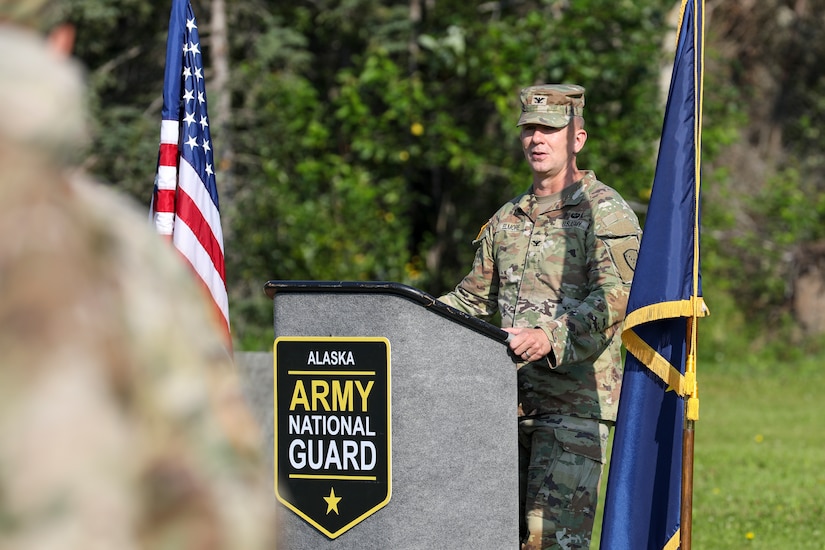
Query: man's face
[[550, 150]]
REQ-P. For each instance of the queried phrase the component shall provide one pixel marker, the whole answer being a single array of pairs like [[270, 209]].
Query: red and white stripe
[[184, 212]]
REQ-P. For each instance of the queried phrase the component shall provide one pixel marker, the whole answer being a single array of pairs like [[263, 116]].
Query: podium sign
[[332, 451]]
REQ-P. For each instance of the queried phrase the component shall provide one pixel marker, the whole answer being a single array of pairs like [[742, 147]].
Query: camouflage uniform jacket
[[123, 423], [564, 264]]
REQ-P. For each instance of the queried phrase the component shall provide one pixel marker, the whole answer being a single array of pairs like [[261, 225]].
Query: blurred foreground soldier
[[557, 262], [122, 424]]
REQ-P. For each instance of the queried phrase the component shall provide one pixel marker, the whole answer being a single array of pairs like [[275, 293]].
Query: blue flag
[[642, 506]]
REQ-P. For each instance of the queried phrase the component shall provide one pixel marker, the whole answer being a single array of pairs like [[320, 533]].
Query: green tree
[[370, 140]]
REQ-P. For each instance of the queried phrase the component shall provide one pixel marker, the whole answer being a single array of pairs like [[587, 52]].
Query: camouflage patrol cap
[[551, 104], [36, 14]]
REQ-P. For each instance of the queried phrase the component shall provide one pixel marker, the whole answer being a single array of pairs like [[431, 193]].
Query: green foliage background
[[370, 140]]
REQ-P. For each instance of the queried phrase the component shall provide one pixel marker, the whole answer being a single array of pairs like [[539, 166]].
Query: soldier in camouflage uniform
[[556, 262], [122, 422]]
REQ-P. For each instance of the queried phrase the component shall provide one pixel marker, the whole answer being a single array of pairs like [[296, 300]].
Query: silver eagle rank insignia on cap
[[551, 104]]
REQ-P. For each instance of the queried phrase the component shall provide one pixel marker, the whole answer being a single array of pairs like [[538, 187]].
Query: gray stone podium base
[[454, 448]]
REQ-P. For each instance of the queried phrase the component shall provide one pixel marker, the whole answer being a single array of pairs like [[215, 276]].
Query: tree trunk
[[220, 117]]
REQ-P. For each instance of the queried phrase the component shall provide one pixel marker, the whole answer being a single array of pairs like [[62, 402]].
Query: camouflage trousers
[[560, 467]]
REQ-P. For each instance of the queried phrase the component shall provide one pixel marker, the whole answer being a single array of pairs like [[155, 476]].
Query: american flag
[[185, 205]]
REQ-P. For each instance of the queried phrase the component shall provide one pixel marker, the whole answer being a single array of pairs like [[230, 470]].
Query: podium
[[391, 418]]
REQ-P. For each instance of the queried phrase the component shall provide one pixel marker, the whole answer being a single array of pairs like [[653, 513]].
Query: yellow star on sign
[[332, 501]]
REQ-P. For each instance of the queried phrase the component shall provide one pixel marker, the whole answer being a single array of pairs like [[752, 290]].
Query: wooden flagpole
[[688, 435], [692, 391]]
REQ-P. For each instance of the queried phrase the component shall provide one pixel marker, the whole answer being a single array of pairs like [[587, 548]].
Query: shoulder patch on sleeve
[[620, 227], [624, 254], [481, 233]]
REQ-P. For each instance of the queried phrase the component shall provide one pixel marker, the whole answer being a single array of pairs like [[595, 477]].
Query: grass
[[759, 472]]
